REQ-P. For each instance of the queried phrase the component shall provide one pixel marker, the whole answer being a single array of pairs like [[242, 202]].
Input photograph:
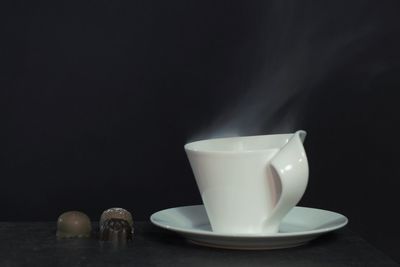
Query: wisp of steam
[[302, 47]]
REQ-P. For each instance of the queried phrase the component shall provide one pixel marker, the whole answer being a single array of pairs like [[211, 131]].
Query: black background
[[98, 98]]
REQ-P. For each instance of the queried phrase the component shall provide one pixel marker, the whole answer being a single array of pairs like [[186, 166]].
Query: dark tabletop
[[35, 244]]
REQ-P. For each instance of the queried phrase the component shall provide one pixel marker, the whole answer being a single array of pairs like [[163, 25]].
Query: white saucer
[[300, 226]]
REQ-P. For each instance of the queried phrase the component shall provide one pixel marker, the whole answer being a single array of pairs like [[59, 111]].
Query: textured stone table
[[35, 244]]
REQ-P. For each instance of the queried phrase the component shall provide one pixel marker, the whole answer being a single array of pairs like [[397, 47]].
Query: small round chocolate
[[116, 213], [115, 230], [73, 224]]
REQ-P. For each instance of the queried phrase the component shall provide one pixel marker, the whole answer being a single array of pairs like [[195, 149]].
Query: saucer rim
[[246, 235]]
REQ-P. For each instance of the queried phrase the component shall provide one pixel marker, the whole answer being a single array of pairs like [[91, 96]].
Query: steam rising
[[302, 48]]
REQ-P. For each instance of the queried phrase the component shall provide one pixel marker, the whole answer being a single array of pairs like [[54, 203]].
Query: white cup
[[248, 184]]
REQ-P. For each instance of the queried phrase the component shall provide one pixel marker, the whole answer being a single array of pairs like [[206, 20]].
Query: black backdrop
[[98, 98]]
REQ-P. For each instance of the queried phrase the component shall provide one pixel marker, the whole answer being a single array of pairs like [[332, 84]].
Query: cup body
[[238, 186]]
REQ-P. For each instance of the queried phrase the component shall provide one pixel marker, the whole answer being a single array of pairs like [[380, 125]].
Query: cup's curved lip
[[193, 146]]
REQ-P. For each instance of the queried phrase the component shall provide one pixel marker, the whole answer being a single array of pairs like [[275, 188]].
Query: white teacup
[[248, 184]]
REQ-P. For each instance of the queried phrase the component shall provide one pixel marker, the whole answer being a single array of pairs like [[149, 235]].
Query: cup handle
[[291, 166]]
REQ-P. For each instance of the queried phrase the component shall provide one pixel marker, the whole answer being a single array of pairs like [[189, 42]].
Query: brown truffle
[[73, 224], [115, 230]]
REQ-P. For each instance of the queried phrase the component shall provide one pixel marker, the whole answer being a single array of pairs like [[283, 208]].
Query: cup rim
[[192, 147]]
